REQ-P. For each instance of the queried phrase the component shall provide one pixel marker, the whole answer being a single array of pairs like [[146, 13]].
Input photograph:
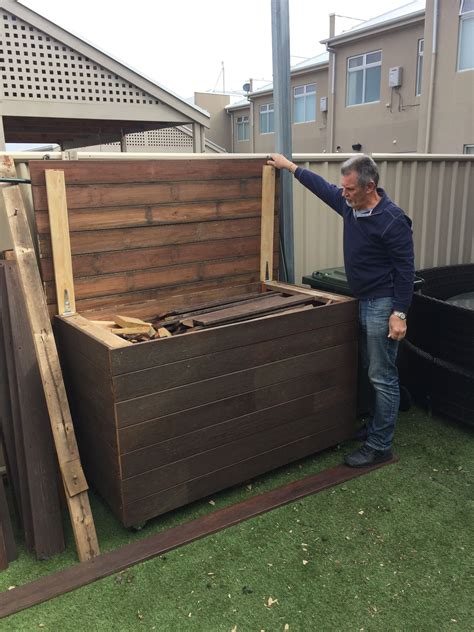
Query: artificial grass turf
[[387, 551]]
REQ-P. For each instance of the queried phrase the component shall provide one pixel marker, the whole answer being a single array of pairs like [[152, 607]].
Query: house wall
[[452, 119], [220, 130], [391, 124]]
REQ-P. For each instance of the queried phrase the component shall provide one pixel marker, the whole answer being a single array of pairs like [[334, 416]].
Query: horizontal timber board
[[169, 350], [161, 256], [155, 278], [94, 241], [215, 459], [145, 508], [176, 425], [175, 298], [197, 393], [152, 214], [113, 171], [163, 377], [127, 193], [268, 420]]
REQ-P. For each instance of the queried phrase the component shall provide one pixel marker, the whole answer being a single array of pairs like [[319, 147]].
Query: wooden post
[[46, 352], [60, 241], [268, 215]]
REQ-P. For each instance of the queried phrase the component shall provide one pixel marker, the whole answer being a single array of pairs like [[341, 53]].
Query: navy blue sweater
[[378, 248]]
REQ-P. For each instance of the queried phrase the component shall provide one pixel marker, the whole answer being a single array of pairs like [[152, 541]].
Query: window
[[363, 78], [466, 35], [243, 130], [304, 103], [267, 119], [419, 66], [468, 149]]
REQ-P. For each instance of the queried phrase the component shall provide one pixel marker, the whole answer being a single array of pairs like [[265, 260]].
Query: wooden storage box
[[169, 421]]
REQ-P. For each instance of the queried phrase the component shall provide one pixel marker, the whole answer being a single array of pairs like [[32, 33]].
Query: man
[[379, 262]]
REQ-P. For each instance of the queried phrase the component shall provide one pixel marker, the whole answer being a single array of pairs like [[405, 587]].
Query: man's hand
[[397, 328], [280, 162]]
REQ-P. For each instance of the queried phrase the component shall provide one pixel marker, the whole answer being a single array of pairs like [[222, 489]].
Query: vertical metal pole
[[282, 106]]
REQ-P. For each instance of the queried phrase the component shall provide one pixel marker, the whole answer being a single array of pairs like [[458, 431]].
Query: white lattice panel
[[34, 65]]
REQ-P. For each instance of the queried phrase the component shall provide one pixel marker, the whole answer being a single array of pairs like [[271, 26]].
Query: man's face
[[356, 196]]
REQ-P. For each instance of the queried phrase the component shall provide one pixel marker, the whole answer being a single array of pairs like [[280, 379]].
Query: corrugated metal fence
[[436, 191]]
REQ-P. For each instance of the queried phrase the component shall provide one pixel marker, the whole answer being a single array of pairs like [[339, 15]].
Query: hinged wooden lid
[[146, 228]]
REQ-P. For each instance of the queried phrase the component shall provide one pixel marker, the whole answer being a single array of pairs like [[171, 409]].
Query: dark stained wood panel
[[155, 504], [153, 405], [268, 420], [174, 426], [230, 337], [163, 377]]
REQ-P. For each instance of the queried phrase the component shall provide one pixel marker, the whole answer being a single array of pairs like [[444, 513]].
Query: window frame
[[266, 110], [304, 97], [364, 68], [467, 147], [243, 122], [419, 66], [464, 16]]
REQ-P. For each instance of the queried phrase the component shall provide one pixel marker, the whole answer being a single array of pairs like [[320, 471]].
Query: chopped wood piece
[[109, 324], [164, 333], [130, 321], [134, 330]]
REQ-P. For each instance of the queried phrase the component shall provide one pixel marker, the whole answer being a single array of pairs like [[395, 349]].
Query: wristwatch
[[400, 315]]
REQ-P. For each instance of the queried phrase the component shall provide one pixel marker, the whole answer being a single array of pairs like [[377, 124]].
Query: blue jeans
[[378, 354]]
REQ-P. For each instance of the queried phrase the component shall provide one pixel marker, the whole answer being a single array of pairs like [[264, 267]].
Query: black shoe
[[361, 433], [366, 456]]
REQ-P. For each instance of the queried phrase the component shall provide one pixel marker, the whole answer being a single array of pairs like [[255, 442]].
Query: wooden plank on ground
[[60, 241], [113, 562], [268, 216], [61, 422]]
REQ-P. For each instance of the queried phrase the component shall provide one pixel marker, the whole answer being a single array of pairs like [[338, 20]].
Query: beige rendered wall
[[452, 117], [220, 128], [378, 126]]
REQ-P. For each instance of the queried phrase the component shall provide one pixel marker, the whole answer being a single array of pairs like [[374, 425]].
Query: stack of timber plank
[[29, 451]]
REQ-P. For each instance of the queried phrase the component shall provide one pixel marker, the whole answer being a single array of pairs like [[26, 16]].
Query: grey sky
[[182, 44]]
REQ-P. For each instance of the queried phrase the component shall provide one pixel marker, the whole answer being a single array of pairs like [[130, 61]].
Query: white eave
[[193, 112]]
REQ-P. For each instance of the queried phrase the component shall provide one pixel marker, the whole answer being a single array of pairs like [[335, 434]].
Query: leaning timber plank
[[229, 337], [249, 310], [7, 531], [216, 305], [175, 425], [61, 244], [268, 214], [292, 289], [38, 448], [47, 356], [65, 581], [13, 434]]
